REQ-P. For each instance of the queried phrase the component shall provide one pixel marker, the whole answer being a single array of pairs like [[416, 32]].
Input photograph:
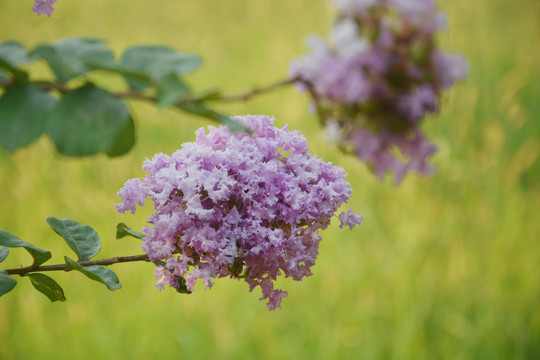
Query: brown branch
[[62, 88], [256, 91], [63, 267]]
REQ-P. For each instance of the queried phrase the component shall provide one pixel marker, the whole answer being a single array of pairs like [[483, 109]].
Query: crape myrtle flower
[[245, 206], [42, 7], [377, 77]]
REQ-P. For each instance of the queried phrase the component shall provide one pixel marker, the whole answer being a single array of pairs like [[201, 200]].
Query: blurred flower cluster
[[43, 7], [247, 206], [378, 77]]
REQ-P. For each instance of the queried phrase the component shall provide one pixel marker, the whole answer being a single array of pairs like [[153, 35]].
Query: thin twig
[[256, 91], [62, 88], [63, 267]]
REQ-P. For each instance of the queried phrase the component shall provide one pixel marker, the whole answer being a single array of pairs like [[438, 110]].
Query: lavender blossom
[[378, 77], [349, 219], [43, 7], [238, 205]]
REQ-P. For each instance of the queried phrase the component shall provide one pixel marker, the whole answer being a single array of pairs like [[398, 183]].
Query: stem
[[62, 88], [257, 91], [63, 267], [193, 100]]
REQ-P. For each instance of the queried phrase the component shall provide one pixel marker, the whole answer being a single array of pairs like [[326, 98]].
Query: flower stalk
[[63, 267]]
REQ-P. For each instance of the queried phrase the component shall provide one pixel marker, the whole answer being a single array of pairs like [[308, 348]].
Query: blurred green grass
[[443, 267]]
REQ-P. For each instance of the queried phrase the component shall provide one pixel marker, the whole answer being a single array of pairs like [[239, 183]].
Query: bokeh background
[[445, 267]]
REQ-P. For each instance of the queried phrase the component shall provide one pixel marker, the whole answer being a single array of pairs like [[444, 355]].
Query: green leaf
[[156, 62], [124, 140], [74, 57], [88, 121], [210, 94], [47, 286], [10, 240], [182, 287], [122, 70], [7, 283], [4, 252], [81, 238], [201, 110], [122, 230], [13, 54], [96, 272], [23, 113], [170, 90], [18, 75]]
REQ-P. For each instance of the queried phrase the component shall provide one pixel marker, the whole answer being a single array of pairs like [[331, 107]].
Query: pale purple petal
[[378, 77], [42, 7], [350, 219], [132, 193], [237, 205]]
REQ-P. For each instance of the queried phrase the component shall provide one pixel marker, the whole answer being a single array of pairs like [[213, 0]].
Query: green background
[[445, 267]]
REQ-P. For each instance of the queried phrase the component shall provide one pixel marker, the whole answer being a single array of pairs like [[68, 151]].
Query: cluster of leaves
[[80, 117], [82, 239]]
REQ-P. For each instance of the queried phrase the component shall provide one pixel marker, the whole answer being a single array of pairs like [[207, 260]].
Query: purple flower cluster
[[381, 74], [43, 7], [246, 206]]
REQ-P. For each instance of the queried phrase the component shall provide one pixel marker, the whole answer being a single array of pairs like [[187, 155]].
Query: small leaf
[[81, 238], [182, 287], [69, 58], [176, 63], [156, 62], [170, 90], [23, 112], [10, 240], [122, 230], [88, 121], [210, 94], [96, 272], [201, 110], [137, 75], [18, 75], [14, 53], [47, 286], [7, 283], [4, 252]]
